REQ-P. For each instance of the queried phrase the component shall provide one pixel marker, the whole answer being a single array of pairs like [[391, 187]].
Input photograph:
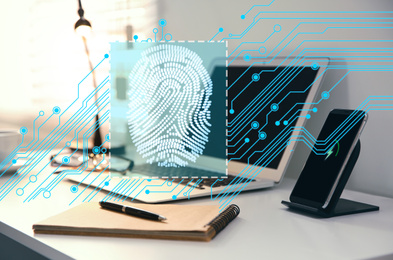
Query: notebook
[[184, 222]]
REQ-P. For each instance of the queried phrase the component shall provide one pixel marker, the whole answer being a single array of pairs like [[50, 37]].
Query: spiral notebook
[[184, 222]]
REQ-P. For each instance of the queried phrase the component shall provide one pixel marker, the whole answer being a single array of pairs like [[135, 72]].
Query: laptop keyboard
[[154, 170]]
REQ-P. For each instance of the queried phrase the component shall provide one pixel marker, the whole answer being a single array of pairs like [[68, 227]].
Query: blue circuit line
[[117, 189], [252, 7], [96, 185], [48, 188], [127, 189], [103, 181], [87, 185], [170, 191], [63, 173], [135, 189], [137, 180], [29, 163], [158, 185], [108, 196], [184, 187]]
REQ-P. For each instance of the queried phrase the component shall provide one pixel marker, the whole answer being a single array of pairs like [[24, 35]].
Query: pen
[[131, 211]]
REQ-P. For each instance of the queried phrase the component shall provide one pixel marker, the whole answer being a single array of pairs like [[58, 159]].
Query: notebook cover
[[184, 222]]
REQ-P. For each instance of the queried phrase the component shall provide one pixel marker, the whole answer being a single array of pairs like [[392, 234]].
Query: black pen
[[131, 211]]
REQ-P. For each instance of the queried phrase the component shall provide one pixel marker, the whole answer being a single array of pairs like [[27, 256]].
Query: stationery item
[[184, 222], [131, 211]]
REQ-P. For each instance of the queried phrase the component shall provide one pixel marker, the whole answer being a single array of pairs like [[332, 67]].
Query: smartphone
[[325, 164]]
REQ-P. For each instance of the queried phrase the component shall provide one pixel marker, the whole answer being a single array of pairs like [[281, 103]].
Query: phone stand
[[337, 206]]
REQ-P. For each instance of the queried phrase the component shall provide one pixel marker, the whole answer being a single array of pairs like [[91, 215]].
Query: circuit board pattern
[[298, 41]]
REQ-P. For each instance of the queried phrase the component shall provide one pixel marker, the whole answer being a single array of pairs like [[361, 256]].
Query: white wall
[[200, 20]]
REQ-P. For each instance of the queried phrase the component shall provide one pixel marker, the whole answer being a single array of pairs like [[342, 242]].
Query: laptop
[[267, 102]]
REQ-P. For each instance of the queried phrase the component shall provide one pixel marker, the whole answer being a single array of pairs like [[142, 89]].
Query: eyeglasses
[[96, 162]]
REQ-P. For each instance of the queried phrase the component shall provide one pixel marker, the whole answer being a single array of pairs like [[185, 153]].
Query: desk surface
[[264, 229]]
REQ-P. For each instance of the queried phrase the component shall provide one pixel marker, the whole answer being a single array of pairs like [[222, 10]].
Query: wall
[[200, 20]]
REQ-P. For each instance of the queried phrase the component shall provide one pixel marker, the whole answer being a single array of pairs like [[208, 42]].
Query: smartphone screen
[[335, 143]]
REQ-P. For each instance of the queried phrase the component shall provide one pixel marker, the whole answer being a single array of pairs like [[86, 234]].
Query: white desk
[[265, 229]]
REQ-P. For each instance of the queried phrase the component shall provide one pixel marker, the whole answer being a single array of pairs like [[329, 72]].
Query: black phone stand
[[337, 206]]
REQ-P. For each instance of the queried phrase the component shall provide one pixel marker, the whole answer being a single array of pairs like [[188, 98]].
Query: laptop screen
[[288, 87], [216, 147], [260, 109]]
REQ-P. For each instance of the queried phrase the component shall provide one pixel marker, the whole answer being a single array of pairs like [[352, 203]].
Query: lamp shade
[[83, 27], [82, 22]]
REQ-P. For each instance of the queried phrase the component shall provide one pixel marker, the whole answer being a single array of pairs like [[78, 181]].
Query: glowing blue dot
[[277, 123], [325, 95], [255, 125], [107, 137], [314, 109], [247, 57], [221, 29], [262, 135], [65, 160], [135, 37], [174, 197], [147, 191], [231, 111], [149, 180], [19, 192], [74, 188], [247, 140], [23, 130], [255, 77], [242, 16], [56, 110], [277, 28], [96, 150], [33, 178], [262, 50], [106, 183], [315, 66], [13, 161], [308, 116], [285, 122], [106, 56], [162, 22], [274, 107]]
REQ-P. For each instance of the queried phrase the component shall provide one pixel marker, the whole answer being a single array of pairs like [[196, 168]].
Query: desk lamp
[[83, 29]]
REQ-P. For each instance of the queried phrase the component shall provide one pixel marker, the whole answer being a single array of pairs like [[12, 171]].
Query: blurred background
[[43, 59]]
